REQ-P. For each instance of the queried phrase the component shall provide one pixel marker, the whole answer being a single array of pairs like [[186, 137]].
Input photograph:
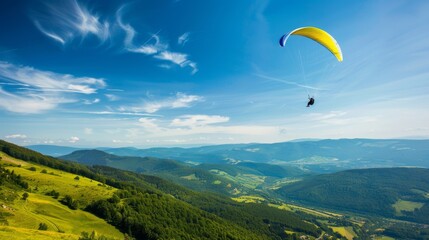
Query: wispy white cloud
[[166, 66], [176, 58], [335, 118], [199, 126], [180, 100], [327, 116], [117, 113], [49, 34], [73, 139], [193, 121], [90, 102], [151, 46], [16, 136], [30, 103], [14, 84], [194, 67], [203, 125], [193, 129], [43, 90], [183, 100], [111, 97], [289, 82], [114, 90], [49, 81], [149, 125], [183, 38], [67, 20], [154, 46]]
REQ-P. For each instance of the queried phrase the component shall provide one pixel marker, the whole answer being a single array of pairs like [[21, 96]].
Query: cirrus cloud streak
[[43, 90], [69, 20]]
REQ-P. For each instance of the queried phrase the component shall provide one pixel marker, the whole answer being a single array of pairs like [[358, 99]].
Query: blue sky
[[177, 73]]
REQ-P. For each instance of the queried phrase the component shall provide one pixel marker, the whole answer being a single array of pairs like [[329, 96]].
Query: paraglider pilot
[[310, 101]]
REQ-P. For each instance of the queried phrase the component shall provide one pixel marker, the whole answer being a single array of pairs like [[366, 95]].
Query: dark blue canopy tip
[[282, 41]]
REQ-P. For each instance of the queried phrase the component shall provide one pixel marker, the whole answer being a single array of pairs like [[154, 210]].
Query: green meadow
[[347, 232], [249, 199], [18, 233], [24, 216], [408, 206], [250, 181]]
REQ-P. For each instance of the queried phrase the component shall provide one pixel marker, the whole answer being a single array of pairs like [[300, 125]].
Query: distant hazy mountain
[[53, 150], [314, 155], [401, 193], [319, 156], [141, 164]]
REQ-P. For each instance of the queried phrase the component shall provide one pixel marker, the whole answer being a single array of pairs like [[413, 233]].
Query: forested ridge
[[172, 170], [370, 191]]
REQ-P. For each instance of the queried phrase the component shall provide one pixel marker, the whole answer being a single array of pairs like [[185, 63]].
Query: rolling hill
[[221, 178], [401, 193], [179, 172]]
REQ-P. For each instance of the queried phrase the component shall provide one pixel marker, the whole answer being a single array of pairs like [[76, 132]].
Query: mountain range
[[316, 155]]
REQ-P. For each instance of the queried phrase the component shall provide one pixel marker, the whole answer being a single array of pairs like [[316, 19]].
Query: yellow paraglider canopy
[[318, 35]]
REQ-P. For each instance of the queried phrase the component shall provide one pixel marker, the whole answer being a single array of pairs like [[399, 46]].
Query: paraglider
[[310, 101], [320, 36]]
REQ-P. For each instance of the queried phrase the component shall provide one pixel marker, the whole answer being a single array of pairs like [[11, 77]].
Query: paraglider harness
[[310, 101]]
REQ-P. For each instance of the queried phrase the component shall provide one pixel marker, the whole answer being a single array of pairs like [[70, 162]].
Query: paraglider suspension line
[[303, 72]]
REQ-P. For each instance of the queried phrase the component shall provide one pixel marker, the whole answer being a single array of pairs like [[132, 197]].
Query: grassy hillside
[[392, 192], [24, 216]]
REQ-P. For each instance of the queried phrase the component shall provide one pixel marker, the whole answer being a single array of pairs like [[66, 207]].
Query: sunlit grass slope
[[347, 232], [24, 216], [15, 233]]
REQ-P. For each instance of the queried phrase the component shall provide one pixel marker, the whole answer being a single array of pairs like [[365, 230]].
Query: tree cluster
[[70, 202], [7, 176], [53, 194]]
